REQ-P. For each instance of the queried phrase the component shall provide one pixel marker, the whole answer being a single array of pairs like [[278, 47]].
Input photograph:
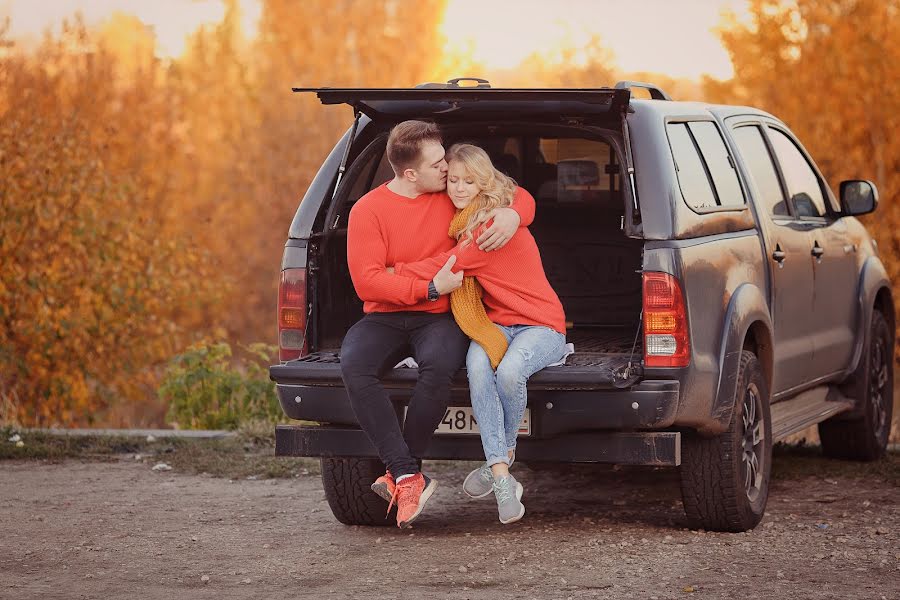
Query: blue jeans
[[498, 399]]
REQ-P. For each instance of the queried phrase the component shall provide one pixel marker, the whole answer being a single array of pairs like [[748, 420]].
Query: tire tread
[[711, 483], [347, 484]]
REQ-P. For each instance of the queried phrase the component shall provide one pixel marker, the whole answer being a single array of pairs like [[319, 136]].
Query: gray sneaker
[[479, 483], [509, 492]]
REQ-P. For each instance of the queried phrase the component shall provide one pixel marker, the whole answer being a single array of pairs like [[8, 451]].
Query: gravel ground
[[81, 529]]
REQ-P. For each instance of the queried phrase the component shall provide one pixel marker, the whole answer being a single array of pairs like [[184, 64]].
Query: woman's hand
[[506, 222], [446, 280]]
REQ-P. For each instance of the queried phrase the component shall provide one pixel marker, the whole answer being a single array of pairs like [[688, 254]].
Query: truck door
[[788, 250], [834, 257]]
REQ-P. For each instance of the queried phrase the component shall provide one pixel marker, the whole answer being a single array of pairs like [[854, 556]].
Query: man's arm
[[507, 221], [366, 256]]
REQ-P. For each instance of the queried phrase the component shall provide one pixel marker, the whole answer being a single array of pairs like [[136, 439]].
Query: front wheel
[[725, 479], [863, 434], [347, 484]]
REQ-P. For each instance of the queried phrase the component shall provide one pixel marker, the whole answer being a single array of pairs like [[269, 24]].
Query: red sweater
[[516, 290], [386, 229]]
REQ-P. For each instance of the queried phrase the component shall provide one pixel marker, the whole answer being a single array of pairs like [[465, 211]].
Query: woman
[[508, 308]]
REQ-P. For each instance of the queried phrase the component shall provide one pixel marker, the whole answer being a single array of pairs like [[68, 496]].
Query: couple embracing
[[449, 274]]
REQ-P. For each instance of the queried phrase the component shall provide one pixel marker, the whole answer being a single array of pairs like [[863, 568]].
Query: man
[[406, 220]]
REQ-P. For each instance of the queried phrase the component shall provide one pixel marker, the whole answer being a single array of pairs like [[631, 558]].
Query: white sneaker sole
[[382, 490], [426, 494]]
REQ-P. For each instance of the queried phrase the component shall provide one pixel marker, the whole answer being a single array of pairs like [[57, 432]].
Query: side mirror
[[858, 197]]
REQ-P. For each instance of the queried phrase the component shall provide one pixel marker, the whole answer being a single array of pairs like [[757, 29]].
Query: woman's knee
[[478, 365], [510, 374]]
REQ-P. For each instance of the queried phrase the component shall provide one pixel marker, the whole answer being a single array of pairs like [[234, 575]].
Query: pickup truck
[[718, 295]]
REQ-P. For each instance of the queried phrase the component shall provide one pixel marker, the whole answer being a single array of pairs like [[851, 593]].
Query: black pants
[[371, 348]]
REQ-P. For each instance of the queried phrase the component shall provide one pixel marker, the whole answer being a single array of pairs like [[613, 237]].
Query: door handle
[[779, 255], [818, 251]]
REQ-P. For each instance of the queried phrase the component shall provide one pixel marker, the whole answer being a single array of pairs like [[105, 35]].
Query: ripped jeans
[[499, 399]]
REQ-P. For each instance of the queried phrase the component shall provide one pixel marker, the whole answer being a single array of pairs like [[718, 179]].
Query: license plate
[[461, 419]]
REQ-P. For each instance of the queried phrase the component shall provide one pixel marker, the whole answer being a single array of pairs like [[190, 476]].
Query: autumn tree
[[269, 141], [92, 280], [144, 202], [567, 66]]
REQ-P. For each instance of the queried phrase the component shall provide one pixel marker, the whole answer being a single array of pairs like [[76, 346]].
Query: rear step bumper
[[639, 448], [646, 405]]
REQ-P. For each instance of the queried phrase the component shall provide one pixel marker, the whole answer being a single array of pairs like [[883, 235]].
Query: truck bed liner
[[601, 360]]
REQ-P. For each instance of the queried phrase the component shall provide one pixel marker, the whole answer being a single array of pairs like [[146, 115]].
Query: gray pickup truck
[[718, 296]]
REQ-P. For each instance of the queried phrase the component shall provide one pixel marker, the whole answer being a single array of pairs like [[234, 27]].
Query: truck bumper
[[646, 405], [566, 425], [661, 448]]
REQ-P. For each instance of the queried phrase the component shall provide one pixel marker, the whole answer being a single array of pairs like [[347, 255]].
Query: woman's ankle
[[499, 470]]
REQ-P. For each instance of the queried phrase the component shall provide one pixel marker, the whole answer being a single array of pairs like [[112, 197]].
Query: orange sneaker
[[411, 495], [384, 486]]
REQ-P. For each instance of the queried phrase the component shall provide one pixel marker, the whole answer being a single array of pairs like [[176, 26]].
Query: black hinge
[[629, 168], [356, 115]]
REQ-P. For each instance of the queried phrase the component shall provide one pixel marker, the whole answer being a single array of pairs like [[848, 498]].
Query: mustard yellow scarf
[[467, 307]]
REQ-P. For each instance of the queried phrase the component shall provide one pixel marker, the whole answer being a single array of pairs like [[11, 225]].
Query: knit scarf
[[467, 307]]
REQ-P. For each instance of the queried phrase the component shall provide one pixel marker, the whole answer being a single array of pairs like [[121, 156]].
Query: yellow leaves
[[75, 328]]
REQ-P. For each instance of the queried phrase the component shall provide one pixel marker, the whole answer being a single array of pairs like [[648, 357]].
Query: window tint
[[714, 152], [802, 183], [554, 170], [575, 170], [692, 177], [364, 181], [756, 156]]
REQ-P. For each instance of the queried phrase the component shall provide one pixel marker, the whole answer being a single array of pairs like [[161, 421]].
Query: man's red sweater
[[516, 290], [386, 229]]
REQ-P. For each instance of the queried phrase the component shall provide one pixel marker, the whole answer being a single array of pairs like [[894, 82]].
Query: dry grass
[[236, 457]]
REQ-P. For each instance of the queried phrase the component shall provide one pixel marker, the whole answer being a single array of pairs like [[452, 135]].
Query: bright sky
[[665, 36], [672, 37]]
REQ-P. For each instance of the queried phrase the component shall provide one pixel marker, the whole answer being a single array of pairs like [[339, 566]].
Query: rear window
[[577, 170], [706, 173], [557, 171]]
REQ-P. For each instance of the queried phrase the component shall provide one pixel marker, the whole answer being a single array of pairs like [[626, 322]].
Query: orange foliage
[[90, 284], [144, 204]]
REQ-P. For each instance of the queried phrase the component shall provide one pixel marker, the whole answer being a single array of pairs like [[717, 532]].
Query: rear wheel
[[725, 479], [347, 484], [863, 434]]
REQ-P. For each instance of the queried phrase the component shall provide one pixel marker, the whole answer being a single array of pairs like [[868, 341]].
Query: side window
[[692, 176], [364, 177], [756, 156], [718, 162], [802, 183]]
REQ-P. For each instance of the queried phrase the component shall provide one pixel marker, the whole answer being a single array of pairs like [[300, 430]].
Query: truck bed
[[601, 360]]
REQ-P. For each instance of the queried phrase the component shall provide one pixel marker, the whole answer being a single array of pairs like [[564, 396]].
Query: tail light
[[292, 314], [666, 339]]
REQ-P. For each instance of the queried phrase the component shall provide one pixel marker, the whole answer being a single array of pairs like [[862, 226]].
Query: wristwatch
[[432, 292]]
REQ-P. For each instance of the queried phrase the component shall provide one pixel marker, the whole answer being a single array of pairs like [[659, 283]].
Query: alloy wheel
[[752, 455]]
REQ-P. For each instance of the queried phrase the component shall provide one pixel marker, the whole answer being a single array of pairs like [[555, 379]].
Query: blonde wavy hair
[[496, 188]]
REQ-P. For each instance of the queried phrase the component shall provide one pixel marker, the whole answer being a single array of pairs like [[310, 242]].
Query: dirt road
[[119, 530]]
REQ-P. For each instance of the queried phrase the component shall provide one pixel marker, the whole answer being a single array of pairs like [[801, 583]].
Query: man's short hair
[[404, 146]]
